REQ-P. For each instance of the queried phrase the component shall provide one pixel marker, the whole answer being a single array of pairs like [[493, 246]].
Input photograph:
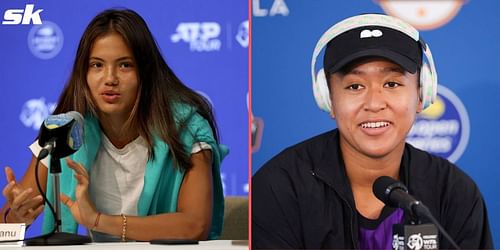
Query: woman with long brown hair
[[149, 165]]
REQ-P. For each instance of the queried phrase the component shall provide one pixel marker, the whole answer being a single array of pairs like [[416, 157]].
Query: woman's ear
[[420, 106], [332, 112]]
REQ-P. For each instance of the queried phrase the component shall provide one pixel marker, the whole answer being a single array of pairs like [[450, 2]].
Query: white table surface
[[208, 245]]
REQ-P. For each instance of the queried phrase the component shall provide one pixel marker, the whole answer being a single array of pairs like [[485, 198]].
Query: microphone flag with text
[[414, 236]]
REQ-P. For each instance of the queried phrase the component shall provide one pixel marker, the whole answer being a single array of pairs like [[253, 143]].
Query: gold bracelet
[[124, 227], [96, 222]]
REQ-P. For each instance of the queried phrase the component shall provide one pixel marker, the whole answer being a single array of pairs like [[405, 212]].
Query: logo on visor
[[443, 128], [370, 33]]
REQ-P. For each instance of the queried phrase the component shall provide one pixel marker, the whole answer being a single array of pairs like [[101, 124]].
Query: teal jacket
[[162, 180]]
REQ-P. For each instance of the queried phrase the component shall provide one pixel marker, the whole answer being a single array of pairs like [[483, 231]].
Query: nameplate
[[12, 231]]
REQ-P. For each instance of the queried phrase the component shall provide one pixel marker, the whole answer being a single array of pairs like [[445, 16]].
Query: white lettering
[[278, 7], [257, 11], [427, 128], [433, 144], [29, 15], [16, 16], [13, 16], [209, 31], [200, 36]]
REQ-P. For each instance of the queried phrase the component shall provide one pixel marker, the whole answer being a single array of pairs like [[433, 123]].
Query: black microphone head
[[383, 186], [65, 130]]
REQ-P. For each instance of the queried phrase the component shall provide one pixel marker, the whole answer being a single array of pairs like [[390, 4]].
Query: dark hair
[[159, 88]]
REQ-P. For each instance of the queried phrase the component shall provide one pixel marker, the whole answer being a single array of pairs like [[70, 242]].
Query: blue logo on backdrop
[[443, 128], [242, 36], [46, 40], [34, 111], [201, 36]]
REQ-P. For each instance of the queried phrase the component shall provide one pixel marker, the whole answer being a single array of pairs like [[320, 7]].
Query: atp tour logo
[[201, 37], [242, 36], [443, 128], [45, 41], [35, 111], [423, 14]]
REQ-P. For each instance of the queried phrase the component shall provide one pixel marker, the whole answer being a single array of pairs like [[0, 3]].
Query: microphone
[[395, 194], [61, 135]]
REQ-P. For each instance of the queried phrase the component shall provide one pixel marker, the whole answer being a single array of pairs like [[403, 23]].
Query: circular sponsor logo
[[45, 41], [34, 112], [442, 129], [423, 14]]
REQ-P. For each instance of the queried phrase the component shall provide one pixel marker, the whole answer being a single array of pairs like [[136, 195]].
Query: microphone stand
[[58, 237]]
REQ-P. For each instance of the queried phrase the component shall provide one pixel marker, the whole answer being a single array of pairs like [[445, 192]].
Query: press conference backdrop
[[463, 124], [204, 41]]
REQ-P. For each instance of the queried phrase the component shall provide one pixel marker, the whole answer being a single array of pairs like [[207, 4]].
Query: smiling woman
[[318, 194], [149, 165]]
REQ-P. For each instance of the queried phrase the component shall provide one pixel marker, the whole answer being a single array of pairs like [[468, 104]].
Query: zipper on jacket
[[345, 201]]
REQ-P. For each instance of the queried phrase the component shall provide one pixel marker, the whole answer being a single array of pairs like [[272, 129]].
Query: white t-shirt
[[117, 176]]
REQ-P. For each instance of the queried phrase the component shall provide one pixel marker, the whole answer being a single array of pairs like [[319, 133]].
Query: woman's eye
[[95, 64], [126, 65], [392, 84], [355, 86]]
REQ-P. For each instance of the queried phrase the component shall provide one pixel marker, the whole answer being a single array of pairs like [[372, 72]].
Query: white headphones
[[428, 75]]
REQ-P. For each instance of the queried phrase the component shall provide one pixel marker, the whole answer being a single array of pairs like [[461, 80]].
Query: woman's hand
[[82, 209], [24, 207]]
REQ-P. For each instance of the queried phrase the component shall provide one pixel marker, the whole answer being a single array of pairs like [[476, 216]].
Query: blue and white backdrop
[[204, 41], [463, 124]]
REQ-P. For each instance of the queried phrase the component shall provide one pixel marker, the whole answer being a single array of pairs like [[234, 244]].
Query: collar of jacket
[[330, 169]]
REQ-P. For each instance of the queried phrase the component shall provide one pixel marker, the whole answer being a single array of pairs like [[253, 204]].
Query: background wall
[[463, 36], [205, 42]]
